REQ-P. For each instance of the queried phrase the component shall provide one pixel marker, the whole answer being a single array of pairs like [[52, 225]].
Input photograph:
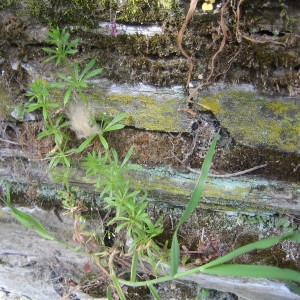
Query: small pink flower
[[112, 26]]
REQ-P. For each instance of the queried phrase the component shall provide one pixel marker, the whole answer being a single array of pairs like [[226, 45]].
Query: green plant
[[218, 266], [129, 204], [132, 224], [204, 294]]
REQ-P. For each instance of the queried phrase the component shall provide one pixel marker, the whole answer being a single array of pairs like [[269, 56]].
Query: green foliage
[[131, 221], [110, 173], [203, 294], [130, 205], [40, 99], [63, 47], [77, 81]]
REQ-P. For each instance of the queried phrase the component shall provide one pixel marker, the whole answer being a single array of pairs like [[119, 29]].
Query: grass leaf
[[256, 271], [85, 143], [196, 196], [134, 264], [27, 220], [175, 254], [153, 291], [262, 244]]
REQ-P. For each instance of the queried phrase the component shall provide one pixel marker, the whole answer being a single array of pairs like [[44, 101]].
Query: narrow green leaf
[[196, 196], [127, 157], [64, 77], [92, 74], [175, 254], [109, 293], [67, 95], [134, 265], [72, 51], [84, 144], [113, 127], [54, 162], [46, 49], [262, 244], [153, 291], [67, 161], [73, 43], [27, 220], [256, 271], [87, 68], [53, 105], [118, 287], [103, 141], [76, 71], [117, 119], [44, 133]]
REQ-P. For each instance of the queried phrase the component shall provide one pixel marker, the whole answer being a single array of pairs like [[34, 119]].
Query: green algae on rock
[[254, 120]]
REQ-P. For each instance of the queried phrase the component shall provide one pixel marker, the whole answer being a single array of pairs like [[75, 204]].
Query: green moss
[[63, 12], [7, 3], [5, 104]]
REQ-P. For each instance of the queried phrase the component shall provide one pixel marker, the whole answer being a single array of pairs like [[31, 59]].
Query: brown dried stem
[[189, 15]]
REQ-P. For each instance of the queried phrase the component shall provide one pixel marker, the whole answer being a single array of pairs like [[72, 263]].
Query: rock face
[[32, 267], [245, 83], [255, 120]]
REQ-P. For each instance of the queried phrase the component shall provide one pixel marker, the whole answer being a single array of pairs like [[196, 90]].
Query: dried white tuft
[[80, 118]]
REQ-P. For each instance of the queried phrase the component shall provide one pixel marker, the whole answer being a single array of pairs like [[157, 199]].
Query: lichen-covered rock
[[254, 120], [148, 107]]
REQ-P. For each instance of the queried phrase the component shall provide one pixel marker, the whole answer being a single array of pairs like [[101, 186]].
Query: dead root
[[239, 36]]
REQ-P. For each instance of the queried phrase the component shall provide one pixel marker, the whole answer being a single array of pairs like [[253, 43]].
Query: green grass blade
[[27, 220], [255, 271], [87, 68], [127, 157], [113, 127], [118, 287], [196, 196], [134, 264], [175, 254], [262, 244], [109, 293], [103, 141], [117, 119], [153, 291], [85, 143], [92, 74]]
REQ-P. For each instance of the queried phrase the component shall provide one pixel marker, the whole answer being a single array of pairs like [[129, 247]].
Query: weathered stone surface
[[240, 194], [244, 194], [32, 267], [148, 107], [253, 119], [42, 267]]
